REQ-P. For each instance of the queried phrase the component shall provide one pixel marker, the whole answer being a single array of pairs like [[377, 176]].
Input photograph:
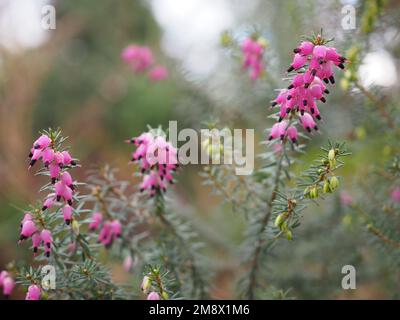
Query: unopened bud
[[279, 220], [331, 155], [314, 193], [289, 235], [75, 227], [165, 295], [334, 182], [327, 187], [306, 192], [146, 284]]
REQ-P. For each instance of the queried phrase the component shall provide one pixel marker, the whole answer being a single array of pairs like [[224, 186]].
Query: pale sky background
[[190, 34]]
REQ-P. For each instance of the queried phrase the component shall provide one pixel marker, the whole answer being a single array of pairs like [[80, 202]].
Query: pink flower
[[292, 133], [153, 296], [96, 220], [106, 235], [128, 263], [308, 122], [7, 282], [71, 247], [307, 87], [157, 158], [395, 195], [36, 241], [33, 293], [36, 155], [67, 159], [298, 61], [346, 199], [48, 203], [116, 228], [67, 179], [305, 48], [67, 213], [27, 230], [42, 142], [158, 73], [27, 217], [138, 57], [278, 130], [47, 240], [48, 156], [3, 275], [8, 285], [54, 170], [253, 52]]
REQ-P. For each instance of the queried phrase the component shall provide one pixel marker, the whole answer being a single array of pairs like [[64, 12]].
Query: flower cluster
[[313, 62], [56, 163], [141, 59], [157, 159], [30, 230], [109, 229], [7, 283], [253, 51]]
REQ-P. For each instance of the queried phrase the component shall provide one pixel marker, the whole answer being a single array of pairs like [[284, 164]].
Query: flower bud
[[334, 182], [153, 296], [165, 295], [331, 154], [146, 284], [279, 220], [327, 187], [314, 193], [75, 227], [289, 235]]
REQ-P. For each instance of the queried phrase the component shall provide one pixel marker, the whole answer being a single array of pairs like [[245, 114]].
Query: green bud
[[165, 295], [279, 220], [284, 226], [289, 235], [75, 227], [306, 192], [331, 154], [146, 284], [334, 182], [314, 193], [327, 187], [226, 39]]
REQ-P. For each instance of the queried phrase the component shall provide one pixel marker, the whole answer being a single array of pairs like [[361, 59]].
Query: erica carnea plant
[[54, 230], [178, 243], [269, 199]]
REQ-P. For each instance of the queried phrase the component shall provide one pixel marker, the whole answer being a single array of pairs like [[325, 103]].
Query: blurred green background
[[73, 77]]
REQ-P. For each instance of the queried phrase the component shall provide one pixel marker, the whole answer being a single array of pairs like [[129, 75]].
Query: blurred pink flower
[[153, 296], [158, 73], [140, 58], [33, 293], [253, 51], [128, 262], [345, 198], [395, 195]]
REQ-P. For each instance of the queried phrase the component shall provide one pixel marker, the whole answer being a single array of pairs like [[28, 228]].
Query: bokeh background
[[73, 77]]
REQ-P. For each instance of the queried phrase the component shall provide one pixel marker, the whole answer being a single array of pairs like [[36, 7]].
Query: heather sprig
[[55, 225]]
